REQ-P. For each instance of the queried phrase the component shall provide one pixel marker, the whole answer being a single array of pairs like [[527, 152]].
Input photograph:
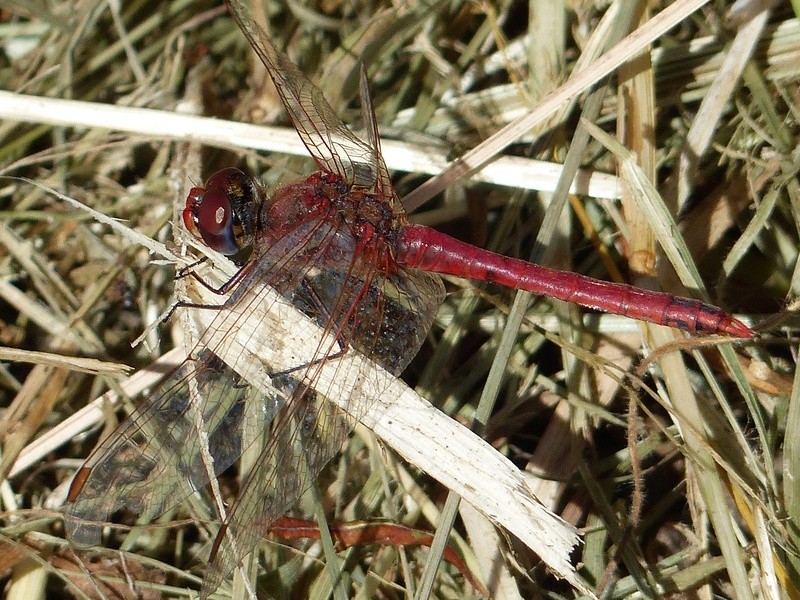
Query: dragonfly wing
[[310, 429], [383, 317], [333, 146], [304, 438], [383, 186], [186, 433], [200, 420], [410, 302]]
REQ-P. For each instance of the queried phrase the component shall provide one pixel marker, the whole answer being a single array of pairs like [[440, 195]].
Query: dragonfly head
[[223, 213]]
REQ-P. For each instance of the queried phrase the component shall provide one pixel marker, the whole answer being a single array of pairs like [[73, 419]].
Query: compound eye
[[214, 214]]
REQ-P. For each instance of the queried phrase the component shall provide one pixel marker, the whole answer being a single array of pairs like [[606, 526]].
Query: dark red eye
[[209, 214], [214, 212]]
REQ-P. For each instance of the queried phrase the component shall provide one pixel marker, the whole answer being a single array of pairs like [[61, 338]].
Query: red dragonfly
[[339, 247]]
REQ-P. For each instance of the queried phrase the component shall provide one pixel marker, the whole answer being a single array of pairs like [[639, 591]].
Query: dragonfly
[[339, 247]]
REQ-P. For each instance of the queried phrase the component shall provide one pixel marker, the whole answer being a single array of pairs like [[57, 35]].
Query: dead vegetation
[[692, 494]]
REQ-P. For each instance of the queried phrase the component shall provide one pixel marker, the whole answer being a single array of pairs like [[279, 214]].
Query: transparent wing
[[302, 442], [383, 182], [194, 426], [191, 428], [386, 319], [186, 433], [332, 145]]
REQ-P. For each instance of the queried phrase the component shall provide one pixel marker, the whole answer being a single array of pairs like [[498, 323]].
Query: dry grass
[[693, 493]]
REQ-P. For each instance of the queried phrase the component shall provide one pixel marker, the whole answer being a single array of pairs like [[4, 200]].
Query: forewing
[[160, 455], [194, 426], [383, 181], [332, 145], [225, 399], [385, 319], [309, 429], [191, 428]]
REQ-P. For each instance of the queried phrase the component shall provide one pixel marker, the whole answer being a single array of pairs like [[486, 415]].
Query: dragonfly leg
[[183, 304], [317, 361], [317, 308], [226, 287], [222, 290], [184, 272]]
